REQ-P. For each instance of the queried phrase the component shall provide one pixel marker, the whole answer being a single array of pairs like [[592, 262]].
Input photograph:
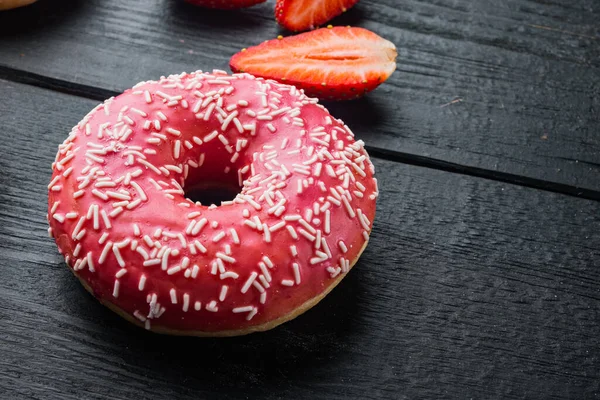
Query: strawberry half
[[339, 63], [225, 4], [301, 15]]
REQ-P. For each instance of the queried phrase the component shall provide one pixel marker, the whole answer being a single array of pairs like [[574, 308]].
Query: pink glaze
[[119, 215]]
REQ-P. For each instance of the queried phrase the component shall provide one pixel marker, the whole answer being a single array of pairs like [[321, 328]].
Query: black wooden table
[[482, 278]]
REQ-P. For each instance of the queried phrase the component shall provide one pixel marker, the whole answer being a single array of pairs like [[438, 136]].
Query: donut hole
[[208, 193], [210, 184]]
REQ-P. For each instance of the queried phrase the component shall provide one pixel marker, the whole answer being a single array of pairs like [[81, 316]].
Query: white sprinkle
[[104, 253], [177, 149], [77, 249], [218, 236], [190, 227], [149, 165], [173, 295], [195, 270], [306, 234], [223, 293], [268, 261], [252, 314], [120, 273], [342, 246], [258, 286], [99, 194], [71, 215], [264, 282], [54, 206], [173, 132], [244, 309], [194, 214], [174, 270], [77, 227], [293, 250], [225, 257], [267, 233], [136, 230], [67, 172], [150, 263], [80, 235], [296, 268], [287, 282], [334, 271], [249, 282], [234, 236], [348, 207], [186, 302], [277, 226], [212, 306], [117, 253], [199, 226], [134, 204], [165, 259], [199, 246], [116, 289], [162, 117], [220, 266], [118, 195], [265, 271], [211, 136], [318, 240], [229, 274], [143, 252], [292, 232], [197, 306]]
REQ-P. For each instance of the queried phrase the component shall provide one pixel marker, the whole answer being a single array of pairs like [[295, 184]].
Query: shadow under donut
[[315, 338]]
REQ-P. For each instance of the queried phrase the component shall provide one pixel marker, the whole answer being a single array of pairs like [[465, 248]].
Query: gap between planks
[[99, 94]]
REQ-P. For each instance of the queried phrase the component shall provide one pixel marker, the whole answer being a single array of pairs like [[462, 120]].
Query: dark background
[[482, 277]]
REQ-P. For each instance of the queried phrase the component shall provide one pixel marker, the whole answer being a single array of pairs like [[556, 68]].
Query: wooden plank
[[505, 87], [469, 288]]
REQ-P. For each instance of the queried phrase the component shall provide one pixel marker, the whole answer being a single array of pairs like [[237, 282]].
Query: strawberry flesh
[[338, 63], [302, 15], [225, 4]]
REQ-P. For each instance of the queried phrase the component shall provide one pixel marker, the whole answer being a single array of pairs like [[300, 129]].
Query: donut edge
[[234, 332]]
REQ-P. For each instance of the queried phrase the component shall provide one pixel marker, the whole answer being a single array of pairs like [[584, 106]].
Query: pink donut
[[118, 211]]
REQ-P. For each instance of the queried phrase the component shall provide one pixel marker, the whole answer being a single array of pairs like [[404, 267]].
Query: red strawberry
[[225, 4], [331, 63], [301, 15]]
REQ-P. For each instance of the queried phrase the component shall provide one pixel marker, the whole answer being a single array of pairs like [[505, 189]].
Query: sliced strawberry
[[225, 4], [331, 63], [301, 15]]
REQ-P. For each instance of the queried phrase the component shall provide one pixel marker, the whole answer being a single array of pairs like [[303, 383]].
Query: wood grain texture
[[508, 88], [469, 289]]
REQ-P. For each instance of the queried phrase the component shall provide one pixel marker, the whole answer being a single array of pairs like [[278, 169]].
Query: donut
[[119, 213], [10, 4]]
